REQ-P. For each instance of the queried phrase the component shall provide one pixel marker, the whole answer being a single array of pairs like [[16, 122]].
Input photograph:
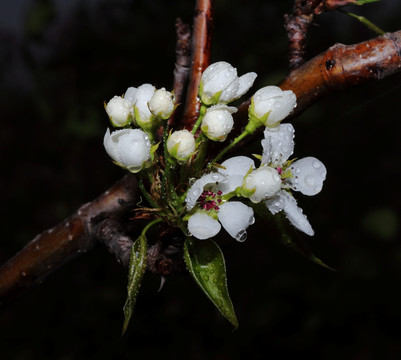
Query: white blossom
[[206, 197], [221, 85], [218, 122], [162, 103], [129, 148], [305, 175], [270, 105], [181, 144], [119, 110]]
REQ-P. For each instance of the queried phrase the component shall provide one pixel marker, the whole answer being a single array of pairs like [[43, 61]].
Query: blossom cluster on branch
[[188, 190]]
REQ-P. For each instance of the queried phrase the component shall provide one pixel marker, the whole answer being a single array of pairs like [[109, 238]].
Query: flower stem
[[230, 146], [146, 228], [145, 193], [202, 113]]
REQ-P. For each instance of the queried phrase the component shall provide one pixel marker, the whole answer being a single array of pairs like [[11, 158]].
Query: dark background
[[60, 60]]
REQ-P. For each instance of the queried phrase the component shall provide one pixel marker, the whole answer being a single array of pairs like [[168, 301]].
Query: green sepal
[[154, 148], [205, 263], [137, 266], [257, 156]]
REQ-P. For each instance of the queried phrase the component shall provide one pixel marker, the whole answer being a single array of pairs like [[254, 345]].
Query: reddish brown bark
[[343, 66], [66, 241], [338, 68], [201, 44], [298, 23], [182, 64]]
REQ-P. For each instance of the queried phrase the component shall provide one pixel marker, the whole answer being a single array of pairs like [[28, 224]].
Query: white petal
[[245, 83], [235, 218], [203, 226], [278, 145], [217, 77], [287, 202], [143, 96], [235, 170], [131, 94], [198, 186], [230, 92], [110, 147], [308, 175]]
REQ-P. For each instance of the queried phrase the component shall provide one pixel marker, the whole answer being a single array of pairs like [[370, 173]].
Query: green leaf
[[137, 266], [205, 262]]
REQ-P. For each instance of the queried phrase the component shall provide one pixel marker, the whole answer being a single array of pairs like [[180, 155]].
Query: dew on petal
[[241, 236]]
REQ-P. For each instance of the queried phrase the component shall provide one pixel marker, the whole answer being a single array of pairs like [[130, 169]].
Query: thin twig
[[201, 44], [182, 64]]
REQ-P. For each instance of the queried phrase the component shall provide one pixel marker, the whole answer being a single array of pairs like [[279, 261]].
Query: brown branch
[[298, 23], [182, 63], [344, 66], [201, 43], [339, 68], [66, 241]]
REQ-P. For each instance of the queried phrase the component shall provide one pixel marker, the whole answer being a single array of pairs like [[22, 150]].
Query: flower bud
[[129, 148], [181, 144], [119, 111], [143, 117], [162, 103], [270, 105], [261, 184], [218, 122], [220, 84]]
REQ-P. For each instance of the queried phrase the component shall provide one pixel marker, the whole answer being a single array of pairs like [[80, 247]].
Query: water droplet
[[241, 236], [309, 181], [215, 177], [134, 168], [316, 164], [252, 220], [297, 170]]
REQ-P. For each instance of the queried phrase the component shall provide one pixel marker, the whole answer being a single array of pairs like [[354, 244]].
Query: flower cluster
[[199, 198]]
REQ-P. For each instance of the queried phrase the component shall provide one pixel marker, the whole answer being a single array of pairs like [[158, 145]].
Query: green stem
[[146, 228], [202, 113], [366, 22], [145, 193], [230, 146]]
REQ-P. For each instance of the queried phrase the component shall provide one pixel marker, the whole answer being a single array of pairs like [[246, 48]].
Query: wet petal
[[278, 144], [285, 201], [308, 175], [203, 226], [245, 83], [235, 218], [235, 170]]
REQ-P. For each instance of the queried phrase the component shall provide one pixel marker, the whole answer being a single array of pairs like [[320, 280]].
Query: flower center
[[210, 200]]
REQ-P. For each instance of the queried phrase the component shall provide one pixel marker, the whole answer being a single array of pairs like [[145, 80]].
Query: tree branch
[[298, 23], [64, 242], [338, 68], [182, 64], [201, 44]]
